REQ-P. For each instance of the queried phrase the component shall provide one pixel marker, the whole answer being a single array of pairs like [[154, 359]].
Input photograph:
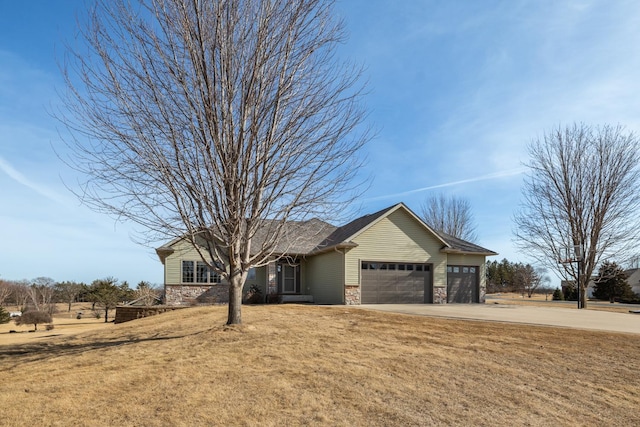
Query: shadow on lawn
[[35, 352]]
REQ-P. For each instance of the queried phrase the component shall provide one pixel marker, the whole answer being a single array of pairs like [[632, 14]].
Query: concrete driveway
[[546, 316]]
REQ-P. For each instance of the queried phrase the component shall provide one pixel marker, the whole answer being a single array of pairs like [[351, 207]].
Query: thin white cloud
[[495, 175], [12, 173]]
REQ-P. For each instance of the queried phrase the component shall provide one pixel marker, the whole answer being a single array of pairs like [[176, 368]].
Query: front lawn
[[308, 365]]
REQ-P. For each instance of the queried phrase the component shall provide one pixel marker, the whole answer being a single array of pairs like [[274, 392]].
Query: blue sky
[[456, 91]]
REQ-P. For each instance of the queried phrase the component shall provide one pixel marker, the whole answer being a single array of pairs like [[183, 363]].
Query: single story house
[[387, 257], [633, 278]]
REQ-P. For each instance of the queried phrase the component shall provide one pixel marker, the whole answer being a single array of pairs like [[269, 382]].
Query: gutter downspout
[[343, 276]]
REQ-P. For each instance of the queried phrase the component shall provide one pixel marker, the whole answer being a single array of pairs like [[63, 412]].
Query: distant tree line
[[610, 284], [506, 276], [43, 293]]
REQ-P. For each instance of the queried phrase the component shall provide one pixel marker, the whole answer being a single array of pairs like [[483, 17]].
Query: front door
[[288, 278]]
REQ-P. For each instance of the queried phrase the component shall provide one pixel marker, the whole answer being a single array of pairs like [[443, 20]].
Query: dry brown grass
[[293, 365], [64, 323], [542, 301]]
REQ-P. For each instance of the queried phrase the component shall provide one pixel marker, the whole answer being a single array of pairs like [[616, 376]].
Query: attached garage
[[463, 284], [386, 257], [395, 283]]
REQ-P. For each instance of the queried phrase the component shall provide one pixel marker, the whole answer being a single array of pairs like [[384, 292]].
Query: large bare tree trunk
[[235, 300], [583, 295], [215, 121]]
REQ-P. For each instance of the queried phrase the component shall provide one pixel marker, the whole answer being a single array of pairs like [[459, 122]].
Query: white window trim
[[210, 276]]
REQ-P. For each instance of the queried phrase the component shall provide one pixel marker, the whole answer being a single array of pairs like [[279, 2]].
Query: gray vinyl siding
[[324, 275], [397, 238]]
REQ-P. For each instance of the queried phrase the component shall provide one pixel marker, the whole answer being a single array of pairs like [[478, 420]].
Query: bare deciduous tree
[[5, 291], [529, 279], [451, 215], [146, 293], [41, 294], [20, 294], [582, 189], [68, 292], [205, 119]]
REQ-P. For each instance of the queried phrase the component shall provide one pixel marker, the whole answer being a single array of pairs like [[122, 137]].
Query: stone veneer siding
[[352, 295], [439, 295], [196, 294]]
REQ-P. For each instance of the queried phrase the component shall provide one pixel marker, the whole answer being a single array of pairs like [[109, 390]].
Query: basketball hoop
[[569, 255], [566, 256]]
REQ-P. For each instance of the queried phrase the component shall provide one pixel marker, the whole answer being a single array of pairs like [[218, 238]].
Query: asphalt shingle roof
[[341, 234], [314, 235], [459, 245], [299, 237]]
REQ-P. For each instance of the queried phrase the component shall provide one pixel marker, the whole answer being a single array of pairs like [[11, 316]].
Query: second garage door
[[462, 284], [395, 283]]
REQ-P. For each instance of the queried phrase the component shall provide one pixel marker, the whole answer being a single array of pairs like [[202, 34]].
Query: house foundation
[[439, 295], [196, 294], [352, 295]]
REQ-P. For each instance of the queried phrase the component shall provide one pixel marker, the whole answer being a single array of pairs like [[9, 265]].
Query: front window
[[202, 272], [187, 271], [198, 272]]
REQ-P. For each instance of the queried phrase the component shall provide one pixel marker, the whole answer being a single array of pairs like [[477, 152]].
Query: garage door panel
[[409, 297], [369, 298], [401, 285], [405, 297], [409, 289], [462, 284]]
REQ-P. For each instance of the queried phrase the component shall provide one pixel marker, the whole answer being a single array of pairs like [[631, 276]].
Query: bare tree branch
[[451, 215], [582, 190], [206, 118], [5, 291]]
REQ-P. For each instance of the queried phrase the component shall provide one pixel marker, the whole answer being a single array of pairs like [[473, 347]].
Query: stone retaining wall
[[131, 312]]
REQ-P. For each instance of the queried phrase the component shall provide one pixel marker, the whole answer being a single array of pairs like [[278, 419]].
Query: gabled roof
[[348, 231], [298, 237], [459, 246], [632, 272], [315, 236], [344, 235]]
